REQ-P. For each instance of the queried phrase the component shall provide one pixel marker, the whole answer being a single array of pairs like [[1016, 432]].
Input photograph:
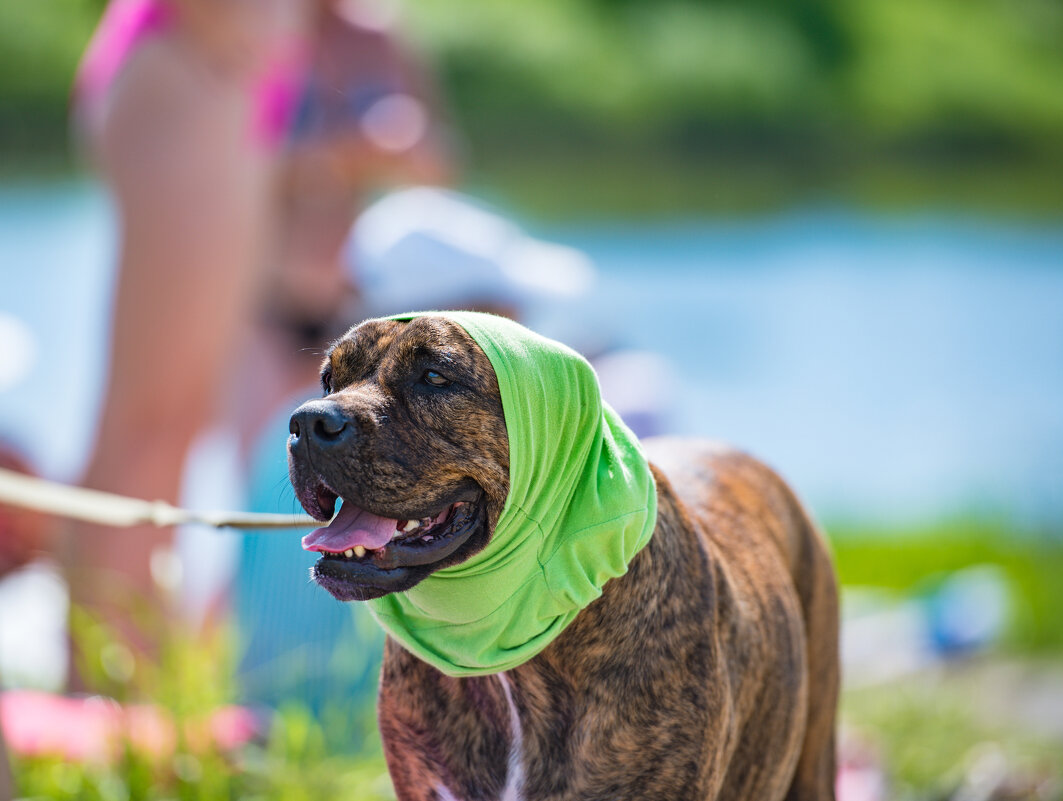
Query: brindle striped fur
[[708, 671]]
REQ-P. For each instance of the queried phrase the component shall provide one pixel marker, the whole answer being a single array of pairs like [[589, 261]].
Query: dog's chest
[[512, 791]]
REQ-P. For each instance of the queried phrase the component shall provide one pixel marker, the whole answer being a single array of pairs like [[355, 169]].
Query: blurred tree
[[811, 85], [40, 44]]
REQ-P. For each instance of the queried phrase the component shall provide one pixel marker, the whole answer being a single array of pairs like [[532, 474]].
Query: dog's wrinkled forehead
[[386, 348]]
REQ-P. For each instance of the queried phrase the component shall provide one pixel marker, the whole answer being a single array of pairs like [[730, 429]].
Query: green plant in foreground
[[293, 757]]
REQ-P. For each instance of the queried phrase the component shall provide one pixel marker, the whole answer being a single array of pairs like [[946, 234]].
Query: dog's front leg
[[415, 771], [445, 739]]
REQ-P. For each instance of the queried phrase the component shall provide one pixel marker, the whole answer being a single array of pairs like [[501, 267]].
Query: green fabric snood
[[582, 502]]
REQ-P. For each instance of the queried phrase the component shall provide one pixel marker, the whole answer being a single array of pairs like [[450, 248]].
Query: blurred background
[[829, 233]]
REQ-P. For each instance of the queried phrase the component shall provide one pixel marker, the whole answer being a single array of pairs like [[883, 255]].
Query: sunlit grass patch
[[932, 731]]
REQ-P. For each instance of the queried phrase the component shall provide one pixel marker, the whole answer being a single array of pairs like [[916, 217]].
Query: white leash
[[17, 489]]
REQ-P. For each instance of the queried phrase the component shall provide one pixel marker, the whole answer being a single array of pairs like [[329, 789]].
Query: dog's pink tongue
[[351, 527]]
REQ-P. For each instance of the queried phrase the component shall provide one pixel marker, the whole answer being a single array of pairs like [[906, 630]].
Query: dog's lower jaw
[[343, 590]]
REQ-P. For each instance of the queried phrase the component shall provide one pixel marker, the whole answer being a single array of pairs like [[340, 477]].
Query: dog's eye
[[326, 380], [435, 379]]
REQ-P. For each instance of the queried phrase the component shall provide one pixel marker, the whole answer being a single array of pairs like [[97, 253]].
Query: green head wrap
[[582, 502]]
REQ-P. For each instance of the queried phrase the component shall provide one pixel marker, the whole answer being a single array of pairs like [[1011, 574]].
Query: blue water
[[895, 370]]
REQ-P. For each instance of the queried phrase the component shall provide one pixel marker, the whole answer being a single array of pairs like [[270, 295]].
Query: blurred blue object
[[968, 610], [299, 643], [886, 634]]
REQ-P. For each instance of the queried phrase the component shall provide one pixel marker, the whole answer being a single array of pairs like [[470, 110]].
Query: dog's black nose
[[322, 423]]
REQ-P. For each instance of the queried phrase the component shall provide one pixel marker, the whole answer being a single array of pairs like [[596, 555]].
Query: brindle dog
[[708, 671]]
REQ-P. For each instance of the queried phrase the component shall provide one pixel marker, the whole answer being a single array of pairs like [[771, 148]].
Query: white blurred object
[[18, 351], [205, 559], [33, 642], [987, 771], [882, 638], [641, 386], [428, 248]]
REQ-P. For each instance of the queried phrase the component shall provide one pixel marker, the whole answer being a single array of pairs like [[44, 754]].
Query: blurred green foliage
[[812, 92], [297, 757], [929, 733], [40, 44], [634, 108], [979, 74]]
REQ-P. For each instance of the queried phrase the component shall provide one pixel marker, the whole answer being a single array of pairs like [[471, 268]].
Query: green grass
[[929, 730]]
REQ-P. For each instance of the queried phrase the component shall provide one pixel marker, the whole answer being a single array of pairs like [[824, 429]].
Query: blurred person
[[196, 111], [183, 106], [369, 117]]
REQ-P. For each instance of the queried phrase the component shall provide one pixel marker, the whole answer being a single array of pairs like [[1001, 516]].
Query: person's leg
[[192, 191]]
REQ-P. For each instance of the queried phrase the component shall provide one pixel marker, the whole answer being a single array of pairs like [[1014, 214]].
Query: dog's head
[[411, 436]]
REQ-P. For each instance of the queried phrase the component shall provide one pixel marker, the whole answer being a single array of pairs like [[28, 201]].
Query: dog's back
[[752, 525]]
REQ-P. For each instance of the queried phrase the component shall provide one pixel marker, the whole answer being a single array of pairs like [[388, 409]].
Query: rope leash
[[105, 508]]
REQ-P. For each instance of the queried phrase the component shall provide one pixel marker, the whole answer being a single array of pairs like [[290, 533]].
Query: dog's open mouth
[[356, 535], [365, 555]]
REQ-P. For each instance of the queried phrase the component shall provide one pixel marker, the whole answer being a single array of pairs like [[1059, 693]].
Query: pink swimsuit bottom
[[127, 23]]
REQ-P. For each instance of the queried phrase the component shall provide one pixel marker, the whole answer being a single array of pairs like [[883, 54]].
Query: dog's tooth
[[359, 551], [411, 525], [348, 553]]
